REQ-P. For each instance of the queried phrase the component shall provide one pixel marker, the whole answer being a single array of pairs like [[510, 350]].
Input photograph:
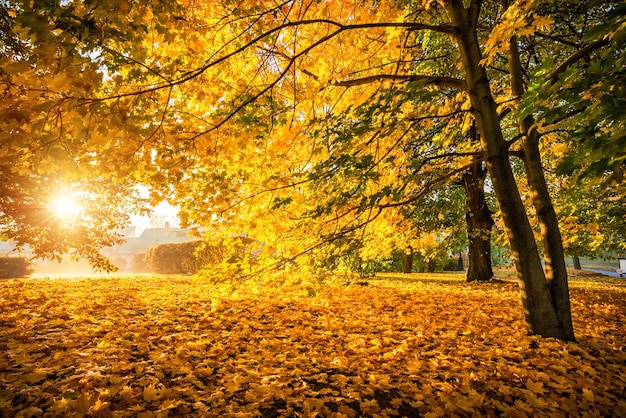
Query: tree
[[479, 224], [438, 228], [478, 219], [591, 218], [339, 95], [51, 146], [587, 86]]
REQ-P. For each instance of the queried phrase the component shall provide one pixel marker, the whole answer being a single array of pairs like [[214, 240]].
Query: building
[[128, 256]]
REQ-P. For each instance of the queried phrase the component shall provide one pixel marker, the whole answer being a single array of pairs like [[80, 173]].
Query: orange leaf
[[535, 387], [588, 395], [36, 375], [150, 393]]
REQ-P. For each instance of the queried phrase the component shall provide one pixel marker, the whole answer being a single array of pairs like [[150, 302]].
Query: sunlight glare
[[66, 207]]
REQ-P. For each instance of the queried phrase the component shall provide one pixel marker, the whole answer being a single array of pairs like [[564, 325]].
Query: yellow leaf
[[126, 392], [435, 413], [60, 406], [369, 406], [535, 387], [103, 344], [150, 393], [83, 403], [99, 405], [203, 372], [36, 375], [116, 380], [588, 395], [170, 404], [515, 413], [345, 410], [32, 411]]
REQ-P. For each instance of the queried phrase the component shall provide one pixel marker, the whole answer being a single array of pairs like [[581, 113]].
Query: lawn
[[424, 345]]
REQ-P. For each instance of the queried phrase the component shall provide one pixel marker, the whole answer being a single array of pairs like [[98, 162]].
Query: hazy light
[[66, 207]]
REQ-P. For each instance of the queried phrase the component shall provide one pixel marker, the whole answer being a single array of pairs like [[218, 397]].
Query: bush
[[177, 258], [452, 264], [189, 257], [15, 266]]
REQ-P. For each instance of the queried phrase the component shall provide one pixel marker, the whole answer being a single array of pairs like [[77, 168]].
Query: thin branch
[[505, 112], [566, 116], [442, 116], [134, 61], [267, 190], [557, 39], [447, 29], [448, 155], [324, 241], [310, 74], [428, 187], [443, 81]]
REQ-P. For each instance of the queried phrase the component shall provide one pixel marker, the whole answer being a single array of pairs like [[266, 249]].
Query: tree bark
[[479, 224], [576, 261], [431, 266], [407, 262], [556, 272], [540, 310]]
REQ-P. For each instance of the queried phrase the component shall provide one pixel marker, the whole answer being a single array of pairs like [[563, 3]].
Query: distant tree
[[15, 266], [479, 223], [592, 219]]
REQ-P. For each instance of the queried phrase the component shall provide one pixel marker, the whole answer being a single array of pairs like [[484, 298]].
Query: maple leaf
[[588, 395], [150, 394], [98, 405], [369, 406], [535, 387], [36, 375]]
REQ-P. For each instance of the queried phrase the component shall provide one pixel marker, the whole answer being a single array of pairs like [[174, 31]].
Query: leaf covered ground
[[421, 346]]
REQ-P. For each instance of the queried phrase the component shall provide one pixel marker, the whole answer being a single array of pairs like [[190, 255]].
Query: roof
[[151, 237], [137, 240]]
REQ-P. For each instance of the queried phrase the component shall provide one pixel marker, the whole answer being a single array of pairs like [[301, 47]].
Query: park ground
[[411, 345]]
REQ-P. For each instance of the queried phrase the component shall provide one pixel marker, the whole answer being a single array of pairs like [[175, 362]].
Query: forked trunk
[[551, 235], [552, 243], [540, 309]]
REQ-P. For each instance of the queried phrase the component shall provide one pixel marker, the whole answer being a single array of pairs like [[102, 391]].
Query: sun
[[66, 207]]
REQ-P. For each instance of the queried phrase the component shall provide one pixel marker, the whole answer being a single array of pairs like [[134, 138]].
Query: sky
[[162, 212]]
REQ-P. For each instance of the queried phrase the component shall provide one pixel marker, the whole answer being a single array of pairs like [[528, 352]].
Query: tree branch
[[557, 39], [554, 76], [446, 29], [428, 187], [474, 12], [455, 83]]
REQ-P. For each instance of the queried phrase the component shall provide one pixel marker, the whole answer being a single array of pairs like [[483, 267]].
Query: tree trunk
[[540, 311], [407, 261], [479, 223], [556, 272], [576, 261], [431, 266]]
